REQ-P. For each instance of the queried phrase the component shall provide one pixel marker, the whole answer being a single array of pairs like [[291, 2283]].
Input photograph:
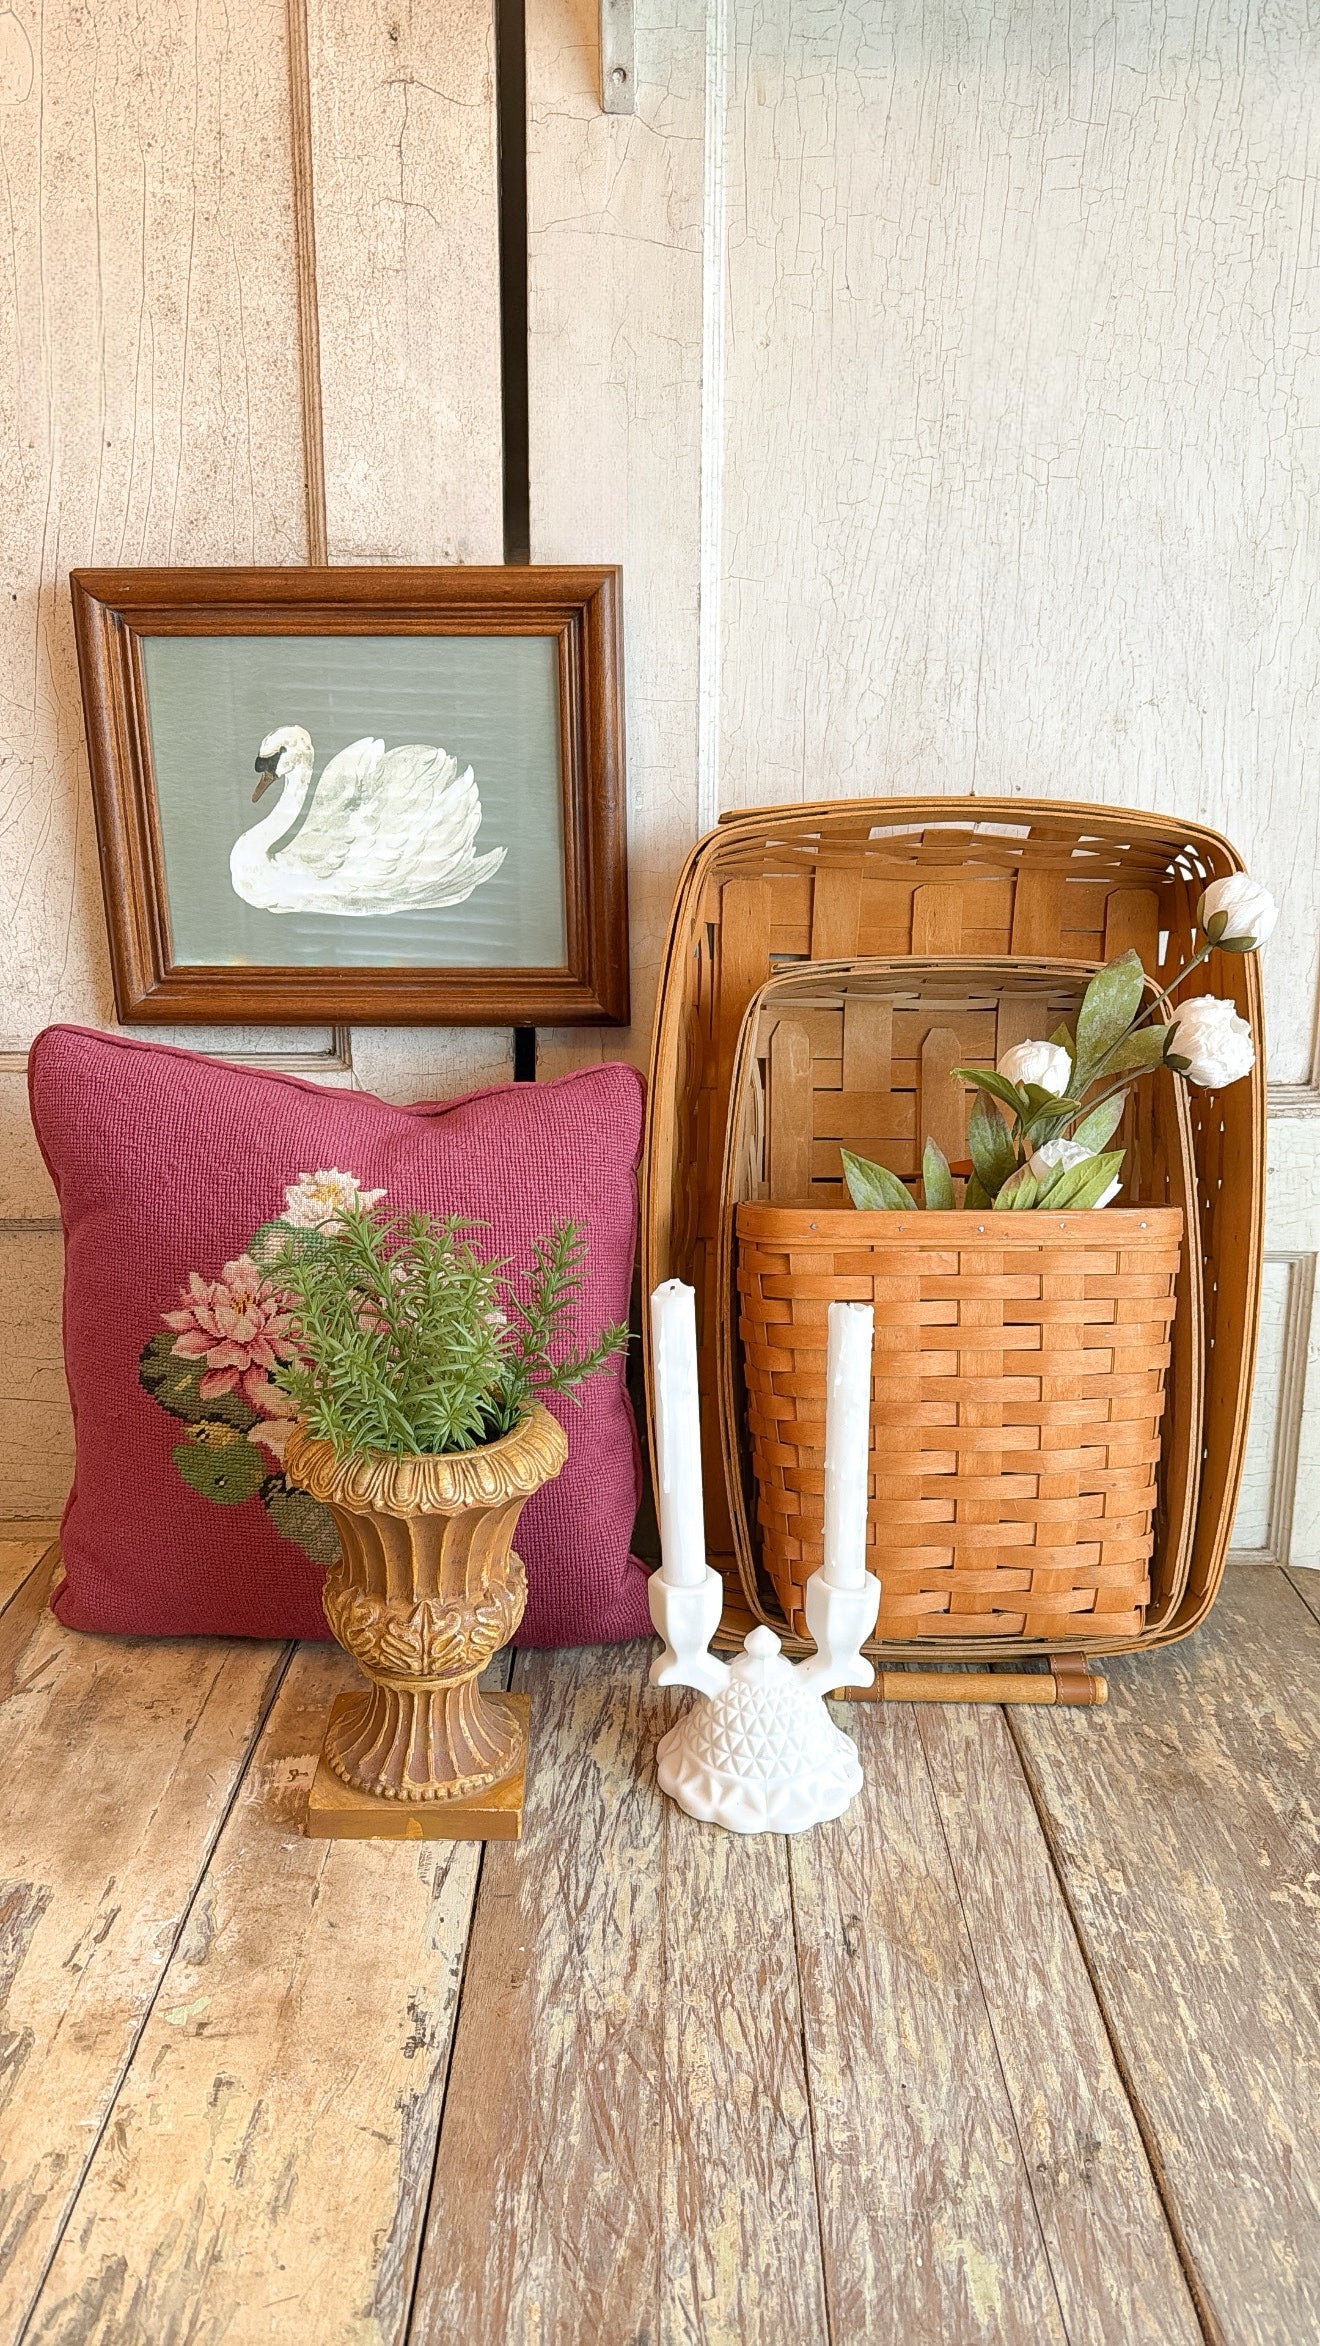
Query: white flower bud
[[1053, 1153], [1250, 910], [1214, 1041], [1045, 1064]]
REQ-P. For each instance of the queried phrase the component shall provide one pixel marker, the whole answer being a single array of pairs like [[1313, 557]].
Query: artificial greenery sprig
[[1065, 1098], [411, 1342]]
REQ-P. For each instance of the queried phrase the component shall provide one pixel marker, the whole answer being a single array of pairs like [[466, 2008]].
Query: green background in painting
[[491, 701]]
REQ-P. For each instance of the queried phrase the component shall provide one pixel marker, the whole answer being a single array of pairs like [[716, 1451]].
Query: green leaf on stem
[[937, 1180], [1144, 1048], [990, 1146], [1019, 1192], [975, 1199], [999, 1087], [1112, 1001], [1074, 1187], [1102, 1123], [1063, 1041], [873, 1188], [1043, 1103]]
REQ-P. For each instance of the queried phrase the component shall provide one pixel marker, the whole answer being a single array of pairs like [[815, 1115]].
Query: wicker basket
[[1019, 1386], [860, 1054], [789, 885]]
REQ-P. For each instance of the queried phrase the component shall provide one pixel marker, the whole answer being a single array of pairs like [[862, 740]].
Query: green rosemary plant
[[411, 1342]]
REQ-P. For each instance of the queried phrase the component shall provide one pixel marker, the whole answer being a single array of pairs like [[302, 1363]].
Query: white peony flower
[[1053, 1153], [1250, 909], [1046, 1064], [1214, 1041], [315, 1201]]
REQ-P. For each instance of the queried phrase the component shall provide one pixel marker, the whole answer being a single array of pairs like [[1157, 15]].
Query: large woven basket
[[860, 1053], [1018, 1392], [932, 877]]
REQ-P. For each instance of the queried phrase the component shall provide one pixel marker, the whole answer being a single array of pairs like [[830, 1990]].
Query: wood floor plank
[[1113, 2258], [1307, 1586], [118, 1759], [543, 2222], [265, 2174], [636, 2164], [1185, 1834], [18, 1557], [930, 2227], [741, 2259]]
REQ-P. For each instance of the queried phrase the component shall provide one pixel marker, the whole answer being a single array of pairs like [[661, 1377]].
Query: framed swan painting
[[383, 796]]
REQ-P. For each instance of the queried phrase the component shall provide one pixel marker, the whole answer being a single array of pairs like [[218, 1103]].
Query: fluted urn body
[[427, 1588]]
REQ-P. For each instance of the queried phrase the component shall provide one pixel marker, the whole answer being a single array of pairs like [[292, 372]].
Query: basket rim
[[1037, 1227]]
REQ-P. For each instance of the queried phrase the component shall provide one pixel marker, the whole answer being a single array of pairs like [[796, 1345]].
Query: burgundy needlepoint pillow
[[169, 1167]]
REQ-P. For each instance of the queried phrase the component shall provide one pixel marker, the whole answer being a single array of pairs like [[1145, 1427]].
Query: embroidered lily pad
[[283, 1238], [226, 1471], [176, 1385], [302, 1519]]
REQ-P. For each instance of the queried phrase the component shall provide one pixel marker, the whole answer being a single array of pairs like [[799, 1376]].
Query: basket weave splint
[[933, 877], [860, 1054], [1018, 1388]]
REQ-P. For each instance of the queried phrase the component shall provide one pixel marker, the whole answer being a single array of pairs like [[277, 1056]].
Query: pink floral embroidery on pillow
[[211, 1367], [239, 1325]]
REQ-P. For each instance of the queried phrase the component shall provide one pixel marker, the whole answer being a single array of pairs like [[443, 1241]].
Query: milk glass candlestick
[[847, 1442], [678, 1434], [685, 1596], [762, 1754]]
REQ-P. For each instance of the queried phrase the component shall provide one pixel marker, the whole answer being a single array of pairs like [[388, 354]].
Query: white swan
[[383, 833]]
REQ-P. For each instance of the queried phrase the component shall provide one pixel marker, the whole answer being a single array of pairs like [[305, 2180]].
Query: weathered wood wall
[[944, 381]]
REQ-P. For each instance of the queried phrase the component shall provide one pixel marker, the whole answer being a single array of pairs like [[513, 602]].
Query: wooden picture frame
[[118, 614]]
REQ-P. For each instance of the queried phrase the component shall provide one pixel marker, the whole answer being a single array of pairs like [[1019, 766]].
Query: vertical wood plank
[[36, 1424], [149, 412], [148, 396], [1038, 913], [741, 2258], [1292, 1226], [265, 2171], [1183, 1835], [545, 2206], [790, 1127], [407, 278], [743, 965], [1114, 2261], [868, 1043], [930, 2229], [1132, 925], [836, 912], [1019, 1020], [118, 1760], [937, 912], [18, 1558], [920, 591], [626, 2147], [614, 207], [403, 170], [942, 1100]]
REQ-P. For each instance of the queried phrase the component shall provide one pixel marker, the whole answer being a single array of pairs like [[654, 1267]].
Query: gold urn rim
[[370, 1482]]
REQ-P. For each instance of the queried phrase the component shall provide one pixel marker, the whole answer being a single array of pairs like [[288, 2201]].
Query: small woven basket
[[1019, 1384]]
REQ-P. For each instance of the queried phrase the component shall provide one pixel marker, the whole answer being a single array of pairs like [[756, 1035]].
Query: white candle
[[678, 1435], [847, 1438]]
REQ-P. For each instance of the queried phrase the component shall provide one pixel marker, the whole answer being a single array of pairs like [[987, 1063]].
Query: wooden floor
[[1022, 2049]]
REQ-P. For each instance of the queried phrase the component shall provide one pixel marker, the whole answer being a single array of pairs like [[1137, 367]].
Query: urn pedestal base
[[337, 1811]]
